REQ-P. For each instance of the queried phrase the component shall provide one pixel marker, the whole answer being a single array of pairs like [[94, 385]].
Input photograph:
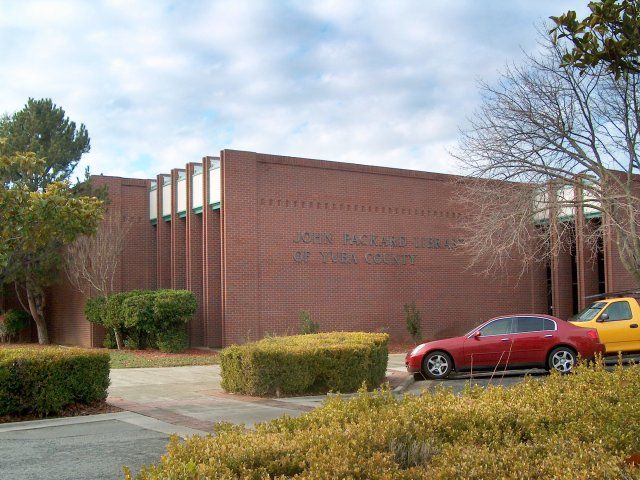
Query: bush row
[[315, 363], [583, 426], [42, 381], [145, 318]]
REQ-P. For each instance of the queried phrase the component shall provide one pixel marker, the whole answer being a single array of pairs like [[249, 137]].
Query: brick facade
[[350, 244]]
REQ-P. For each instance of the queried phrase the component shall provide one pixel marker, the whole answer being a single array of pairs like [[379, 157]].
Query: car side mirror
[[603, 318], [477, 334]]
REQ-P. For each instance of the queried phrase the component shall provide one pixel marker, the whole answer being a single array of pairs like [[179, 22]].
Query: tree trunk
[[36, 307], [118, 339]]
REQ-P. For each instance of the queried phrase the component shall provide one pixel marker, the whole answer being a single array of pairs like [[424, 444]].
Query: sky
[[162, 83]]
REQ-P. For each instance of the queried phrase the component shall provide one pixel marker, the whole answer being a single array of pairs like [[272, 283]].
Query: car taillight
[[593, 335]]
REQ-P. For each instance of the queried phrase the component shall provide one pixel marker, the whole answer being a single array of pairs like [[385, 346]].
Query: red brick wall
[[268, 200], [128, 198], [194, 263], [211, 256], [163, 243]]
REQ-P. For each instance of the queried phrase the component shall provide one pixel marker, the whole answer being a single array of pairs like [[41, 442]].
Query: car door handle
[[504, 340], [633, 325], [548, 335]]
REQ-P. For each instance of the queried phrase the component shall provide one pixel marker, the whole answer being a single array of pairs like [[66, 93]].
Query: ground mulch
[[73, 410]]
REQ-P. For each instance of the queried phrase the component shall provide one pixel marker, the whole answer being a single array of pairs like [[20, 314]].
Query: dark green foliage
[[173, 306], [16, 320], [299, 364], [414, 321], [608, 36], [146, 318], [94, 310], [174, 339], [109, 340], [160, 316], [308, 325], [42, 381], [136, 311], [43, 128]]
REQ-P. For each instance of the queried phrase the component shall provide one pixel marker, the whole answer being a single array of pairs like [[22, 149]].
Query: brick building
[[258, 238]]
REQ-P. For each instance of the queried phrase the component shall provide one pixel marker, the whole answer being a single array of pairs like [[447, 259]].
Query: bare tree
[[549, 139], [91, 262]]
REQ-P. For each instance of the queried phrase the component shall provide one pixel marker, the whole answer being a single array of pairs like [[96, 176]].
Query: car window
[[589, 313], [549, 324], [502, 326], [529, 324], [618, 311]]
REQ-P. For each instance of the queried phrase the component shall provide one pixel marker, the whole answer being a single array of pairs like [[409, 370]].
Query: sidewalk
[[192, 396]]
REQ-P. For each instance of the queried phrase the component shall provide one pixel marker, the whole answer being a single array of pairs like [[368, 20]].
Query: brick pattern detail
[[264, 288], [194, 262], [163, 242], [212, 267], [129, 199]]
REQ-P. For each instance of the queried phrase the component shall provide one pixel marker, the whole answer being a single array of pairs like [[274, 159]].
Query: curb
[[404, 385]]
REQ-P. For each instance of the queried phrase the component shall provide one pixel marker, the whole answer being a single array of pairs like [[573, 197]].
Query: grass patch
[[150, 358], [582, 426]]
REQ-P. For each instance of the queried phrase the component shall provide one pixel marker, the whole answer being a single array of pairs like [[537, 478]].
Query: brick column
[[194, 263], [163, 242], [211, 256], [240, 254], [178, 232]]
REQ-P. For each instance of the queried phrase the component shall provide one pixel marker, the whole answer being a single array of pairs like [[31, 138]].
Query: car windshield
[[589, 313]]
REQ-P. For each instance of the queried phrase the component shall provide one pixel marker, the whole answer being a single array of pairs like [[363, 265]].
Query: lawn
[[154, 358]]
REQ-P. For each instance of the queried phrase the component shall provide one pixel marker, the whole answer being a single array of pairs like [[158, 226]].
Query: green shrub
[[109, 340], [172, 307], [308, 325], [145, 318], [414, 321], [580, 426], [159, 317], [13, 322], [322, 362], [95, 310], [42, 381], [173, 339]]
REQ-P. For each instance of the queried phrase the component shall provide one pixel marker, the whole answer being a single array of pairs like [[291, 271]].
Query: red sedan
[[515, 341]]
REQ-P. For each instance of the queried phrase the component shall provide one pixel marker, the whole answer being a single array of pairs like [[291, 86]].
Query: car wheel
[[437, 365], [562, 359]]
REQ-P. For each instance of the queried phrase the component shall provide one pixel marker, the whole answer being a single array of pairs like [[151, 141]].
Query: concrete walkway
[[192, 397]]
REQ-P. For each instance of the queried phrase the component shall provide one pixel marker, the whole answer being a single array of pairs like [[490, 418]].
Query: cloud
[[161, 83]]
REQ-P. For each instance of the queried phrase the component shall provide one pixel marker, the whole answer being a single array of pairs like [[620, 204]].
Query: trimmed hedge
[[582, 426], [42, 381], [316, 363]]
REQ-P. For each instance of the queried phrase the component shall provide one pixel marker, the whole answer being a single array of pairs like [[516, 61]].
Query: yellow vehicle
[[617, 321]]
